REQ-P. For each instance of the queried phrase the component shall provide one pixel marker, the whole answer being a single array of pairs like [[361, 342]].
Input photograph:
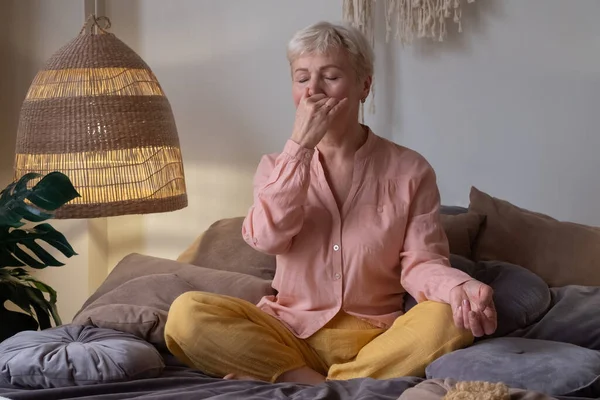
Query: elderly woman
[[354, 222]]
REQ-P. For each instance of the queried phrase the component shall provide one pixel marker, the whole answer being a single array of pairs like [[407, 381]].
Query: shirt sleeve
[[426, 271], [280, 190]]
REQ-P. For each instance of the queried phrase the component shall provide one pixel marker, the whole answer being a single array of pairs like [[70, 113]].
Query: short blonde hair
[[323, 37]]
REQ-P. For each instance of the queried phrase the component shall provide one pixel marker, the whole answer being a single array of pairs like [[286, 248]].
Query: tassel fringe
[[414, 19]]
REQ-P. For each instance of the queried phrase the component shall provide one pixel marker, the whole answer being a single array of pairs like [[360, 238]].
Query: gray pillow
[[572, 318], [74, 355], [554, 368], [520, 296]]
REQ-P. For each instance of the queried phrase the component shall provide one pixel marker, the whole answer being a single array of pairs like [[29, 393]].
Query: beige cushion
[[461, 230], [222, 247], [561, 253], [137, 294]]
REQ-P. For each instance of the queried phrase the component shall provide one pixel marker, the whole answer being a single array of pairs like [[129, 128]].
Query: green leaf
[[6, 192], [7, 259], [40, 305], [53, 298], [21, 184], [27, 292], [17, 294], [53, 191], [17, 202], [17, 272], [9, 217], [31, 213], [23, 256], [56, 239], [26, 239], [11, 245], [13, 199]]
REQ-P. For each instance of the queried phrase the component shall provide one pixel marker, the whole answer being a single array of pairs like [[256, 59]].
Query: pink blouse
[[386, 240]]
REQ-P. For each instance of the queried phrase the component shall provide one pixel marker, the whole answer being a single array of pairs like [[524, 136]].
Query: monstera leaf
[[27, 293], [20, 246], [18, 203]]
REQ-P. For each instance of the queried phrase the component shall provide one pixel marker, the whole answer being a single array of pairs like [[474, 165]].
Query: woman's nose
[[314, 88]]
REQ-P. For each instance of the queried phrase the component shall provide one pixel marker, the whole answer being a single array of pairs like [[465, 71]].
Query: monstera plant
[[20, 248]]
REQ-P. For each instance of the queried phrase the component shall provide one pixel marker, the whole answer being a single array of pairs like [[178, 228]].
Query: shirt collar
[[363, 151]]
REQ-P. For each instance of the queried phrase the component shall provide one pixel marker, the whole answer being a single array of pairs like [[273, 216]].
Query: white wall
[[510, 106], [222, 65]]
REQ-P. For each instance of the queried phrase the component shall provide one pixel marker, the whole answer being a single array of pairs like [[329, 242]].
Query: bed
[[546, 285]]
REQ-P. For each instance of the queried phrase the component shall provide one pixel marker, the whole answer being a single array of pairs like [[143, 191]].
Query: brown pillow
[[461, 230], [222, 247], [139, 306], [561, 253], [137, 294]]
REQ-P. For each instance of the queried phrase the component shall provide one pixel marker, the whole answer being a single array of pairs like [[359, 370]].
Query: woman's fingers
[[466, 309], [475, 323], [457, 314], [331, 102], [490, 320], [456, 303], [321, 103], [337, 106]]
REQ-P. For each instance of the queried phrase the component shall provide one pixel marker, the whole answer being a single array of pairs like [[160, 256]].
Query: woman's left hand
[[473, 308]]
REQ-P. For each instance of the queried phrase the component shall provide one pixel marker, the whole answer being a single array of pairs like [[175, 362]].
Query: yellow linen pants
[[220, 335]]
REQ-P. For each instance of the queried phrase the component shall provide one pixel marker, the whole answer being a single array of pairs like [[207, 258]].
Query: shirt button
[[379, 209], [336, 247], [307, 155], [337, 276]]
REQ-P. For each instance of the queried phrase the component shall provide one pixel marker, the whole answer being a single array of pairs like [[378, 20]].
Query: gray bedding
[[179, 383]]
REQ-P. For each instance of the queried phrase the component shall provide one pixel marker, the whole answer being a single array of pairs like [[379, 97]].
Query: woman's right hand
[[313, 118]]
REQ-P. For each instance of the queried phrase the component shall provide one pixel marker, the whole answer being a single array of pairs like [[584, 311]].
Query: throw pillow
[[138, 293], [553, 368], [572, 318], [139, 306], [222, 247], [520, 296], [73, 355], [461, 230], [561, 253], [137, 265]]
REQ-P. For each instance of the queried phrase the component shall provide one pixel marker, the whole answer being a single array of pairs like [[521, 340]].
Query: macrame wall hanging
[[412, 18], [407, 20]]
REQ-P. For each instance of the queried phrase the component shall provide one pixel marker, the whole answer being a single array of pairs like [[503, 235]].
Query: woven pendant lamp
[[97, 113]]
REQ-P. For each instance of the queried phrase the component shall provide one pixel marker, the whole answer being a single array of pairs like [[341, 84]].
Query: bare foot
[[239, 377], [303, 375]]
